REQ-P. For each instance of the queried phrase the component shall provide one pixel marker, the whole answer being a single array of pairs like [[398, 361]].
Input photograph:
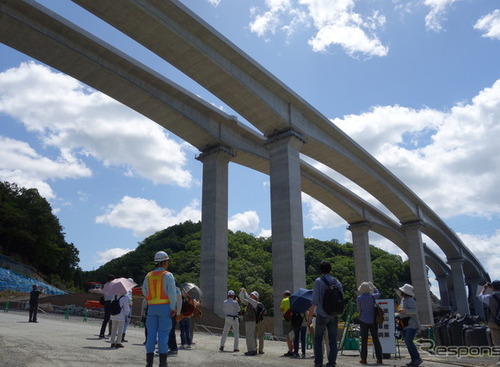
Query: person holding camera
[[490, 295], [231, 309], [34, 294], [408, 310]]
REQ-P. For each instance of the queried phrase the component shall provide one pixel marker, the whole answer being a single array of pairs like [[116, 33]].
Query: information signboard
[[387, 331]]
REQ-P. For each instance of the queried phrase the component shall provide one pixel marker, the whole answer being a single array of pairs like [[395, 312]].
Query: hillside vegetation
[[250, 262]]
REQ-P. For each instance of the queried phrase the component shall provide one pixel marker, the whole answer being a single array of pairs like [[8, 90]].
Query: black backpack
[[495, 315], [333, 299], [260, 312], [115, 307]]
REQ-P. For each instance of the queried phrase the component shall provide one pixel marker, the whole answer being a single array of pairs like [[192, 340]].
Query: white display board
[[387, 331]]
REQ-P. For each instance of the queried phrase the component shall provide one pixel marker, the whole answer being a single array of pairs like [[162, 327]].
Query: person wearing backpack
[[259, 325], [324, 320], [119, 310], [160, 291], [287, 321], [490, 295], [365, 305], [251, 301]]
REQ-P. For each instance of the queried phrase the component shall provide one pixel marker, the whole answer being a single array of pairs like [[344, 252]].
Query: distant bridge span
[[250, 90]]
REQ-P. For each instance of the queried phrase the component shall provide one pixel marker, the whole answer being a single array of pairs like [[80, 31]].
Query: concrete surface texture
[[57, 341]]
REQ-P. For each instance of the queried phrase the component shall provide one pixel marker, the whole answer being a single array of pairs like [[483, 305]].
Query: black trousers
[[33, 311], [363, 330]]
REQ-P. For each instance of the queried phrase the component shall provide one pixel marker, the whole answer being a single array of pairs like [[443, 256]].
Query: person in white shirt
[[119, 321], [231, 309]]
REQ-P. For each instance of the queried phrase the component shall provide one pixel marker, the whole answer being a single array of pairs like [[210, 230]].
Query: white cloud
[[436, 15], [145, 217], [483, 247], [320, 215], [246, 222], [23, 165], [214, 2], [110, 254], [265, 233], [450, 159], [336, 23], [79, 121], [490, 25]]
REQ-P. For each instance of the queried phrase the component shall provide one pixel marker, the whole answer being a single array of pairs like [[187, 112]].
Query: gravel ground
[[56, 341]]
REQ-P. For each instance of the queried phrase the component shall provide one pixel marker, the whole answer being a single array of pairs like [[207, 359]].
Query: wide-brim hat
[[407, 289], [364, 288], [255, 294]]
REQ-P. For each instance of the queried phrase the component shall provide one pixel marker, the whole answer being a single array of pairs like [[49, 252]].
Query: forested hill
[[32, 235], [250, 262]]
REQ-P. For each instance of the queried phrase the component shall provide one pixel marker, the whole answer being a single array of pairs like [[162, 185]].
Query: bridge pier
[[362, 259], [443, 291], [214, 218], [457, 275], [418, 271], [286, 217], [478, 305]]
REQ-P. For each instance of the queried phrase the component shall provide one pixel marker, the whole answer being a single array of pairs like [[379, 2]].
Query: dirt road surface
[[56, 341]]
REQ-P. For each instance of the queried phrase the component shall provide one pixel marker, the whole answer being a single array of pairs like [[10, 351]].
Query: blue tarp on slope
[[10, 281]]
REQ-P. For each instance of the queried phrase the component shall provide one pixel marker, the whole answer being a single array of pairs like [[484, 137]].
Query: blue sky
[[416, 83]]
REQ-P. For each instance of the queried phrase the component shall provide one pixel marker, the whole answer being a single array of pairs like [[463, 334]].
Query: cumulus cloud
[[214, 2], [80, 122], [437, 13], [335, 23], [145, 217], [105, 256], [448, 158], [246, 222], [320, 215], [490, 25], [21, 164]]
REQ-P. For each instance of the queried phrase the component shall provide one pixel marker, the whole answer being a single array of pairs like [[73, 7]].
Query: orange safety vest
[[156, 288]]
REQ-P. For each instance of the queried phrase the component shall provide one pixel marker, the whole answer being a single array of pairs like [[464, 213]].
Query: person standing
[[34, 295], [231, 309], [407, 309], [188, 305], [107, 304], [128, 318], [365, 305], [259, 325], [118, 321], [159, 289], [492, 300], [172, 339], [287, 321], [323, 319], [299, 325], [250, 316]]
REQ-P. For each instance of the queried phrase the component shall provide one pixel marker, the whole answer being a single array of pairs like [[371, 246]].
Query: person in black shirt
[[34, 294]]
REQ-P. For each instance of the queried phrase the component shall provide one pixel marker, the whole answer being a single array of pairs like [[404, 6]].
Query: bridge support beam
[[286, 217], [477, 304], [214, 217], [443, 291], [457, 275], [362, 259], [418, 271]]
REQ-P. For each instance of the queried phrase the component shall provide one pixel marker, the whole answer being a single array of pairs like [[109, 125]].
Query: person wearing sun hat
[[407, 310]]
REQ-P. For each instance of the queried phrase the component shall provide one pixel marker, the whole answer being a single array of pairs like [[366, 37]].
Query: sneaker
[[236, 350], [296, 355], [363, 361], [261, 352], [253, 353], [418, 362], [221, 349], [188, 346], [172, 353], [303, 355], [288, 354], [119, 345], [379, 361], [113, 345]]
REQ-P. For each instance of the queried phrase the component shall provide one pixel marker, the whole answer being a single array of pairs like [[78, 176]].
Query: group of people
[[323, 325], [117, 323]]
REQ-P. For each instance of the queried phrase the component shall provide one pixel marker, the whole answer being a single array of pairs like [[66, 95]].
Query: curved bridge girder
[[77, 53]]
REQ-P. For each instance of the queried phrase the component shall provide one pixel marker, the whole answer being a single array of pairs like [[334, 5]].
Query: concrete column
[[443, 291], [286, 217], [418, 271], [457, 275], [362, 259], [214, 218], [473, 284]]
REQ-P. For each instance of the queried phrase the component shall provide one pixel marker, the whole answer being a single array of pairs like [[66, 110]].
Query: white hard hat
[[230, 293], [255, 294], [161, 256]]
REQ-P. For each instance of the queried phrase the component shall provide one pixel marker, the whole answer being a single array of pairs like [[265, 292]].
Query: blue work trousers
[[158, 324]]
